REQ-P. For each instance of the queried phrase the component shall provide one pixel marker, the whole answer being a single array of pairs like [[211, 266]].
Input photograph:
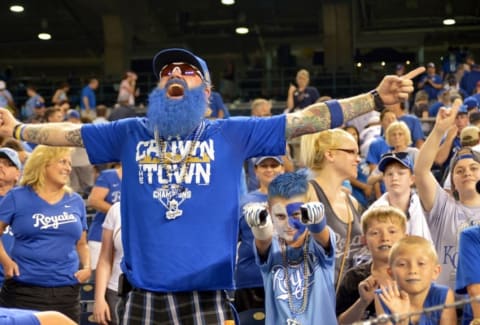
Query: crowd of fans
[[393, 198]]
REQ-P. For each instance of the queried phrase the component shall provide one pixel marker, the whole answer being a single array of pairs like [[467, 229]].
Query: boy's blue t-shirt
[[321, 292]]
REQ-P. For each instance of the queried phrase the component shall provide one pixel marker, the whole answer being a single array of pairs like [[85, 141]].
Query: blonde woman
[[332, 156], [49, 225]]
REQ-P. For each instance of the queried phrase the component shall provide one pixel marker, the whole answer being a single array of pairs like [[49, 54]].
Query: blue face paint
[[294, 222]]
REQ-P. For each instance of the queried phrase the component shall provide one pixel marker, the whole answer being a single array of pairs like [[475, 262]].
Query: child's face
[[414, 270], [397, 178], [380, 237], [286, 217]]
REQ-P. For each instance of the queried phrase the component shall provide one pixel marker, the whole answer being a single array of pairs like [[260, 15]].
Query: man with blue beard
[[180, 185]]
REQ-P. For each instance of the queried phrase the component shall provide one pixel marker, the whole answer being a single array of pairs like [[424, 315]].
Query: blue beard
[[176, 117]]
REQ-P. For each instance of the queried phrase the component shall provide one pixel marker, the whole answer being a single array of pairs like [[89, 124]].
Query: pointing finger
[[412, 74]]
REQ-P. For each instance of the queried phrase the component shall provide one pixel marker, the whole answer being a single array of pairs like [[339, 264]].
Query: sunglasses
[[186, 70], [399, 155]]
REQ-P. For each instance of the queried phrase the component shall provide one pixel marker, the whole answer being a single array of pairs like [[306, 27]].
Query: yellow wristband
[[17, 130]]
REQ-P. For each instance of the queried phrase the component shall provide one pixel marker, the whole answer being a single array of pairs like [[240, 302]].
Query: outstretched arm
[[322, 116], [424, 179], [54, 134]]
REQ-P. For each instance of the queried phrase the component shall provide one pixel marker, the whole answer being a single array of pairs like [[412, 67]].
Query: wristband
[[318, 227], [17, 129], [336, 113], [377, 100]]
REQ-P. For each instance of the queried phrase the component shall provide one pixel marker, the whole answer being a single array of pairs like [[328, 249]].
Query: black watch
[[379, 105]]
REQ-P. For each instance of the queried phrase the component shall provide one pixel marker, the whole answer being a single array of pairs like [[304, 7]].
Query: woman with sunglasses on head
[[333, 157], [447, 216], [50, 257]]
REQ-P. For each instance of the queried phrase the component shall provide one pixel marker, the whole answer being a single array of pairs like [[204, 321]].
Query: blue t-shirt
[[321, 292], [90, 94], [434, 108], [14, 316], [217, 105], [436, 296], [45, 235], [377, 148], [468, 266], [431, 91], [194, 249], [303, 99], [247, 273], [107, 179], [7, 241]]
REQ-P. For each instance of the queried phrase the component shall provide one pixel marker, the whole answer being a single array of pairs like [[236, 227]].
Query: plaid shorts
[[177, 308]]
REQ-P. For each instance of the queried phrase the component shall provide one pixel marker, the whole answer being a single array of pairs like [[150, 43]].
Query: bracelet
[[377, 100], [17, 130]]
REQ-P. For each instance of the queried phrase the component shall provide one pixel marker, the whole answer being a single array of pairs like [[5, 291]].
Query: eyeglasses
[[399, 155], [186, 70], [349, 151]]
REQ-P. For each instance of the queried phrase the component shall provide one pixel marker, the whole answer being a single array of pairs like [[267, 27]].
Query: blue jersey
[[7, 241], [180, 225], [468, 265], [321, 292], [107, 179], [45, 235], [436, 296], [247, 273], [14, 316]]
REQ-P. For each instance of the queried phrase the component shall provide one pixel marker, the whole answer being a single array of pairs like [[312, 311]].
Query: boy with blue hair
[[295, 252]]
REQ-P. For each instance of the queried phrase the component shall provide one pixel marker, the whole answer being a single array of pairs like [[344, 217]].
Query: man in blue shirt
[[88, 100]]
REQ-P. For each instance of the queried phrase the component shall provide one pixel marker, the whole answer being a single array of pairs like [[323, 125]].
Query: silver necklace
[[292, 308]]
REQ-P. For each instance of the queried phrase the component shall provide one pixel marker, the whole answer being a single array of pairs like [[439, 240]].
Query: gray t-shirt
[[446, 220]]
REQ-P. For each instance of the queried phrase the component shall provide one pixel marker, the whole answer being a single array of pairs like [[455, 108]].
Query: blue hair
[[289, 185]]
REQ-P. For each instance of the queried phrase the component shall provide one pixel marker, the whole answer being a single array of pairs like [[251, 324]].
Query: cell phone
[[124, 286]]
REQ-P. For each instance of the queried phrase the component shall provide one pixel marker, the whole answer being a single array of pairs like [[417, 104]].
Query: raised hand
[[312, 213], [366, 289], [395, 299], [255, 214], [393, 89]]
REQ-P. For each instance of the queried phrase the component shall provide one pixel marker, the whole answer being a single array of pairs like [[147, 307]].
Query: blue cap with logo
[[11, 155], [402, 158], [177, 55]]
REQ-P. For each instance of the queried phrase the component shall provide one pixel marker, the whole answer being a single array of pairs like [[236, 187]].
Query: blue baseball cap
[[469, 103], [402, 158], [258, 160], [174, 55], [71, 113], [11, 155]]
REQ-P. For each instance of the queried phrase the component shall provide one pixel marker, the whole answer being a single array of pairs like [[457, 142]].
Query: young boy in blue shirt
[[294, 251], [414, 267]]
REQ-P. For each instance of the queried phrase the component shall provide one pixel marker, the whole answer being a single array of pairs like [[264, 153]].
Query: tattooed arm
[[317, 117], [54, 134]]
